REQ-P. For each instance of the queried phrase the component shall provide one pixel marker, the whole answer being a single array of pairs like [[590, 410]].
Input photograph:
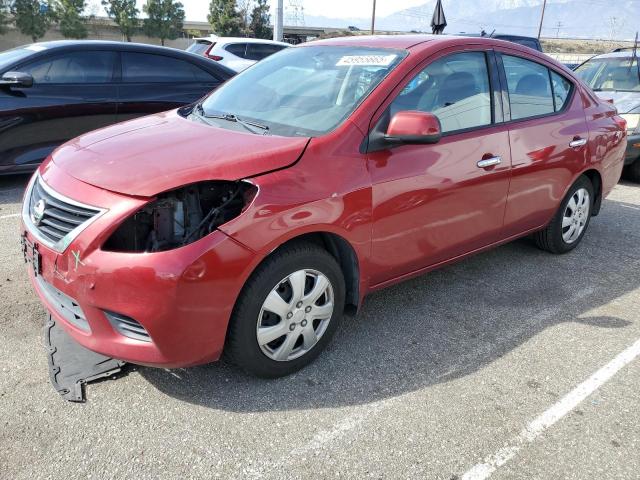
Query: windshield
[[604, 74], [11, 56], [305, 91]]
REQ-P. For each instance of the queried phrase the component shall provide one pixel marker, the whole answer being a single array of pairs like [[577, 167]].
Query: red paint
[[413, 124], [403, 211]]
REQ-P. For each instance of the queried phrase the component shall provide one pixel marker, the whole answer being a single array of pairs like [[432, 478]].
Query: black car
[[52, 92]]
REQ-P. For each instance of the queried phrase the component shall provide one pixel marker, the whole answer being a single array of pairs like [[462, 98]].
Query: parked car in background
[[235, 53], [249, 222], [52, 92], [616, 76], [531, 42]]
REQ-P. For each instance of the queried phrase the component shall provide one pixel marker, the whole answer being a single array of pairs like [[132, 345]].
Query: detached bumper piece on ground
[[71, 366]]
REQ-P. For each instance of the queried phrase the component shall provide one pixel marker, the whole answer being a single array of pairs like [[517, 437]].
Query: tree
[[260, 20], [32, 17], [165, 19], [124, 13], [69, 15], [4, 16], [225, 20]]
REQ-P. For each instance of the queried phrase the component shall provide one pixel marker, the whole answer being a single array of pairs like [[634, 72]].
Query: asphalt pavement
[[515, 363]]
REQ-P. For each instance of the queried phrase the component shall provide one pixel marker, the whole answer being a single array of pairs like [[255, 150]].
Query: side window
[[561, 90], [150, 68], [73, 67], [237, 49], [529, 88], [258, 51], [454, 88]]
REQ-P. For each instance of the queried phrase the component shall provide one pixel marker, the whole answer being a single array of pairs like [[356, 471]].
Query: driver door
[[432, 203]]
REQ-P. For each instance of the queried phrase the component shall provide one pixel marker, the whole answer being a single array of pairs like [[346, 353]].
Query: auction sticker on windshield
[[366, 60]]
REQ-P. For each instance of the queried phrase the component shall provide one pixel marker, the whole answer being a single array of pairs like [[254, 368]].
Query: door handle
[[578, 142], [489, 162]]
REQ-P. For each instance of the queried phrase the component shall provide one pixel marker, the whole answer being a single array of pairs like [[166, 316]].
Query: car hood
[[154, 154], [625, 102]]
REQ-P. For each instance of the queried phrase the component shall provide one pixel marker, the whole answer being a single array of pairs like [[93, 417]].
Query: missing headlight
[[182, 216]]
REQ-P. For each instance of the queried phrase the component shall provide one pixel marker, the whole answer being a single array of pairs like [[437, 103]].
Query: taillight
[[621, 122], [217, 58]]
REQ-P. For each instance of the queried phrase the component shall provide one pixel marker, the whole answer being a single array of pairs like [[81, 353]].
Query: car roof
[[41, 49], [413, 41], [625, 54], [99, 44], [215, 39]]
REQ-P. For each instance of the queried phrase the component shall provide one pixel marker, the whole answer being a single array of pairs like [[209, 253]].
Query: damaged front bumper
[[164, 309], [71, 366]]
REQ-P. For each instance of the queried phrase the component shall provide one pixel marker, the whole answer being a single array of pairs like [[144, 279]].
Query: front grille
[[64, 305], [127, 326], [54, 216]]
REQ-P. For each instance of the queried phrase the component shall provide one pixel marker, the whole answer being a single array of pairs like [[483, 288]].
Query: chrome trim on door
[[579, 142], [489, 162]]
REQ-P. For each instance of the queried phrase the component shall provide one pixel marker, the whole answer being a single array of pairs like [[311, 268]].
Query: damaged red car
[[251, 222]]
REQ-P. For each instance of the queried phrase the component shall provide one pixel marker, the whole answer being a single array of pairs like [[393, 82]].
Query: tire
[[274, 299], [556, 238], [632, 172]]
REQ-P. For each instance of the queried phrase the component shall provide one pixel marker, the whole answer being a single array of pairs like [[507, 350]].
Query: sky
[[196, 10]]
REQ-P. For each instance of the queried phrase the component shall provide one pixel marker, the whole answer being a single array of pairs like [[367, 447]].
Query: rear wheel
[[570, 222], [287, 312]]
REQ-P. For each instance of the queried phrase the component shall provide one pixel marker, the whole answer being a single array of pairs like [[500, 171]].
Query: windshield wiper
[[230, 117]]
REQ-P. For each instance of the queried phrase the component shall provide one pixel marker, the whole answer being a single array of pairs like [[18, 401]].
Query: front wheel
[[570, 222], [287, 312]]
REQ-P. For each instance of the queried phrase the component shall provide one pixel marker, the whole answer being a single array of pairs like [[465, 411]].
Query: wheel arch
[[595, 178], [344, 253]]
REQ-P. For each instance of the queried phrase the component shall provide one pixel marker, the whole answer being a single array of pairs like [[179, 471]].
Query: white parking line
[[13, 215], [534, 429], [631, 207]]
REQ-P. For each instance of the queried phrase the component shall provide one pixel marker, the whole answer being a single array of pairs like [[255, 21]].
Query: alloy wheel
[[576, 215]]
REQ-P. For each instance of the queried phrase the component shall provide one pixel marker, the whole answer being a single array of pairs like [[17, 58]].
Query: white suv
[[235, 52]]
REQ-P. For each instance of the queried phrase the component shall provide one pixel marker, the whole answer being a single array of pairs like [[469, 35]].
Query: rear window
[[199, 47], [149, 68]]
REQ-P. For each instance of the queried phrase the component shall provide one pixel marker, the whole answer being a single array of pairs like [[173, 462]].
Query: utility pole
[[279, 20], [559, 25], [373, 18], [544, 6]]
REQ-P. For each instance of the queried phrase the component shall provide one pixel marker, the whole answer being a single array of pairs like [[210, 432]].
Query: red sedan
[[251, 222]]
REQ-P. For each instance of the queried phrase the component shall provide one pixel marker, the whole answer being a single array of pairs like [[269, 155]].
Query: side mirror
[[413, 127], [17, 79]]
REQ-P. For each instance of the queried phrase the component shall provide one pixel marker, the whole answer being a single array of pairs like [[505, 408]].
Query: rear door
[[72, 93], [153, 83], [548, 134], [432, 203]]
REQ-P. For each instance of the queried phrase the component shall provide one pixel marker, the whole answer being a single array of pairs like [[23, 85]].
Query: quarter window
[[149, 68], [529, 88], [237, 49], [561, 90], [75, 67], [454, 88], [259, 51]]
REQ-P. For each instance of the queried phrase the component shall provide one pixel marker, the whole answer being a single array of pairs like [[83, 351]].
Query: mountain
[[564, 18]]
